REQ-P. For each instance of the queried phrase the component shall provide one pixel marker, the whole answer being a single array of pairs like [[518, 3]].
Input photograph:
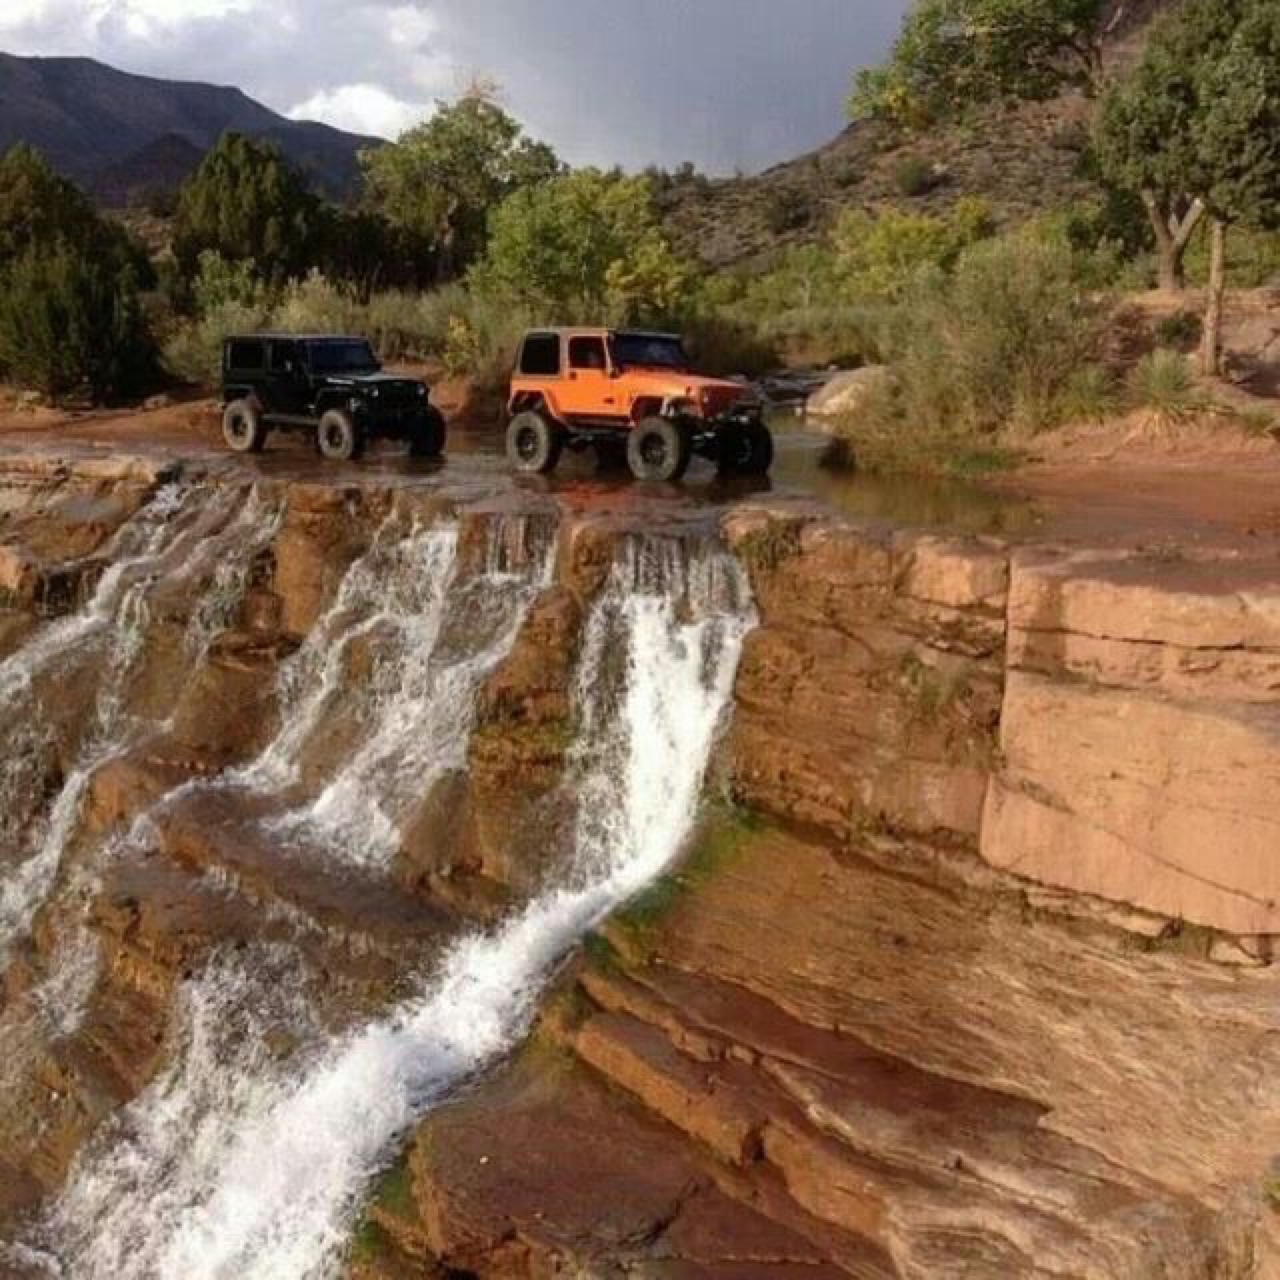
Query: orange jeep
[[616, 389]]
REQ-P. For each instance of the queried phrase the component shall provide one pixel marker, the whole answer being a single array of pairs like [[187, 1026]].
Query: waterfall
[[234, 1163], [182, 538]]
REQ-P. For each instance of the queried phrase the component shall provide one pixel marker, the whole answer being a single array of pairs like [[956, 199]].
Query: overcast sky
[[726, 83]]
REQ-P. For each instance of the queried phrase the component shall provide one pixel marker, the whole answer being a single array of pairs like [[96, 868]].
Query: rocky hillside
[[120, 134], [1023, 160]]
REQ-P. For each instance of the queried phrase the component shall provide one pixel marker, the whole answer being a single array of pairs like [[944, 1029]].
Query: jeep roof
[[298, 337]]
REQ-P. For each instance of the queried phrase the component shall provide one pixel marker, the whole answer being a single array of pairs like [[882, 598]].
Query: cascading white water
[[234, 1165], [182, 538]]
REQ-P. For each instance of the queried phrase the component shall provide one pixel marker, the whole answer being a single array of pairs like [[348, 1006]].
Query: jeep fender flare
[[241, 391], [533, 402], [643, 407]]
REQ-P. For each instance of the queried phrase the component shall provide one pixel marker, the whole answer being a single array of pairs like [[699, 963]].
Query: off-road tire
[[744, 450], [534, 444], [428, 436], [242, 427], [338, 437], [659, 449]]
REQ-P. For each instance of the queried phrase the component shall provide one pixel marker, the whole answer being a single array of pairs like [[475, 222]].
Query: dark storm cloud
[[725, 83]]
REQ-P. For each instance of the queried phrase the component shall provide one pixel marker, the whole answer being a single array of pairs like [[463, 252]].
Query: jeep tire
[[659, 449], [428, 436], [534, 444], [744, 449], [338, 437], [242, 427]]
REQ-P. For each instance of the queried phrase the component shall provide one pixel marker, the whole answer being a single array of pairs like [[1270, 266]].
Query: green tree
[[70, 320], [70, 316], [584, 246], [1195, 129], [247, 204], [441, 180], [1146, 137], [955, 54], [39, 208]]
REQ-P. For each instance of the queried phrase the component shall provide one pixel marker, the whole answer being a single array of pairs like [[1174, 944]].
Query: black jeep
[[331, 386]]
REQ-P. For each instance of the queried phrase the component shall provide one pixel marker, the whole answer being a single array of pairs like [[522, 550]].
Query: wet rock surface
[[972, 977]]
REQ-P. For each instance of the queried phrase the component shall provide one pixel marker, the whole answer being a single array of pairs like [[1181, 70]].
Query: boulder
[[849, 392]]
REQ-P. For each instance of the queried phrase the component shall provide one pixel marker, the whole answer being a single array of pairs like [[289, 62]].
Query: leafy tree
[[39, 208], [879, 255], [955, 54], [247, 204], [70, 317], [70, 320], [366, 250], [1195, 129], [586, 245], [1146, 133], [441, 180]]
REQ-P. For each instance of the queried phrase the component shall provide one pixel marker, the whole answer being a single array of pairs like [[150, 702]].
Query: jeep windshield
[[342, 357], [648, 351]]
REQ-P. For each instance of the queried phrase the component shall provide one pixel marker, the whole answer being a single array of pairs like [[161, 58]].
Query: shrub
[[1162, 382], [193, 352], [1089, 394], [789, 208], [1179, 331], [996, 348], [219, 283], [71, 321], [916, 177]]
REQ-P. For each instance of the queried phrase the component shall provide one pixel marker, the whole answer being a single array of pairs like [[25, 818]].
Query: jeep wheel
[[745, 450], [659, 449], [338, 438], [534, 445], [428, 436], [242, 427]]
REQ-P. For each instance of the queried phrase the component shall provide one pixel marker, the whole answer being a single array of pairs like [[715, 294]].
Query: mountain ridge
[[89, 119]]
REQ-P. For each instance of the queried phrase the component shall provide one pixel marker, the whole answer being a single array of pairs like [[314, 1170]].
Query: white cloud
[[361, 108]]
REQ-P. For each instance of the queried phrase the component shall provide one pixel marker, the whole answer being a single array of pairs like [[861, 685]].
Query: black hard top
[[298, 337]]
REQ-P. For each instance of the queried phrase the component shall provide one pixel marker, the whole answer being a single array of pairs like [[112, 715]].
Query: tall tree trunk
[[1173, 235], [1211, 345]]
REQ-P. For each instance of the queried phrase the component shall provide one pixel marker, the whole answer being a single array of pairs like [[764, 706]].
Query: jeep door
[[285, 385], [590, 390]]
